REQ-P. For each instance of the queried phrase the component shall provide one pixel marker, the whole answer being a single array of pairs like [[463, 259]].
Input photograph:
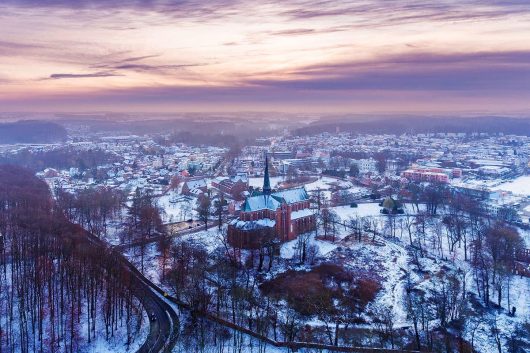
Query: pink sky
[[296, 56]]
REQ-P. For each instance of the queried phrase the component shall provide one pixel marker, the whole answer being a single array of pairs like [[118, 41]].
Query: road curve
[[163, 320], [163, 333]]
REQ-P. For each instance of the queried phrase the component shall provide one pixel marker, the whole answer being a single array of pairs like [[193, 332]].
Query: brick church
[[271, 216]]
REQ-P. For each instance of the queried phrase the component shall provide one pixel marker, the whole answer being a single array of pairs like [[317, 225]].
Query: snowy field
[[367, 210], [257, 182], [519, 186], [362, 210], [391, 260], [176, 208], [117, 343], [525, 234], [324, 183]]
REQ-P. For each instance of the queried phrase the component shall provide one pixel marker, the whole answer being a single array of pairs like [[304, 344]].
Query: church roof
[[266, 180], [266, 199], [290, 196], [260, 202], [253, 225]]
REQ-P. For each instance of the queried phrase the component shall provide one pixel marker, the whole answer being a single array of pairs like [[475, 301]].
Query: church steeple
[[266, 180]]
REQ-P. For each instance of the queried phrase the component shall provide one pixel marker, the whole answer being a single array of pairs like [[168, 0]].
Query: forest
[[60, 158], [57, 292], [401, 125], [31, 131]]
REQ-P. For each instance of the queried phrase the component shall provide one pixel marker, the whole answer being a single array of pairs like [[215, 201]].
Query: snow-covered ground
[[525, 234], [324, 183], [257, 182], [362, 210], [368, 210], [98, 344], [392, 261], [210, 239], [395, 260], [288, 249], [118, 342], [520, 186], [176, 207]]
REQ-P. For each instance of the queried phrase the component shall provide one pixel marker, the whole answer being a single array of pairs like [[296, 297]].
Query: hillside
[[30, 131]]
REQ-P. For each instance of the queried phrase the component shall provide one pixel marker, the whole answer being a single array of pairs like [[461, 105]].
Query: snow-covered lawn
[[395, 260], [325, 183], [391, 260], [257, 182], [210, 239], [520, 186], [525, 234], [369, 210], [117, 343], [362, 210], [176, 207], [288, 249]]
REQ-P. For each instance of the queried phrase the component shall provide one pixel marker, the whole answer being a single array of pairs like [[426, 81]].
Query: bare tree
[[384, 323], [204, 209], [219, 210]]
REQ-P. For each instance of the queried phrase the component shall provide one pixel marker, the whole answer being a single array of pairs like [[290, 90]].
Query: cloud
[[296, 31], [139, 58], [89, 75], [18, 45], [92, 53], [135, 64], [158, 68], [494, 72], [9, 48], [172, 8], [383, 12], [414, 80], [161, 69]]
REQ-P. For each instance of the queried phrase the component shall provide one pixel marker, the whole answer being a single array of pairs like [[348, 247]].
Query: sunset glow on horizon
[[229, 55]]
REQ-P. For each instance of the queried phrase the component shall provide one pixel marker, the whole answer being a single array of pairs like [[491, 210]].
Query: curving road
[[164, 323], [163, 320]]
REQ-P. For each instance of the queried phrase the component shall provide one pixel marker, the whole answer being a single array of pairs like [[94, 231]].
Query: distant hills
[[31, 131], [416, 125]]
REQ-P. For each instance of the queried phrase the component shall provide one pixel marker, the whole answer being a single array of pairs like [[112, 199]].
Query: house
[[436, 175], [234, 187], [194, 187], [269, 216]]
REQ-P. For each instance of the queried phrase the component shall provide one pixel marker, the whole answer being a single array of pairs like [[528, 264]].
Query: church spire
[[266, 180]]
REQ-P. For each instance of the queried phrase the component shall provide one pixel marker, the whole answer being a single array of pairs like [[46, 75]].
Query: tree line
[[58, 293]]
